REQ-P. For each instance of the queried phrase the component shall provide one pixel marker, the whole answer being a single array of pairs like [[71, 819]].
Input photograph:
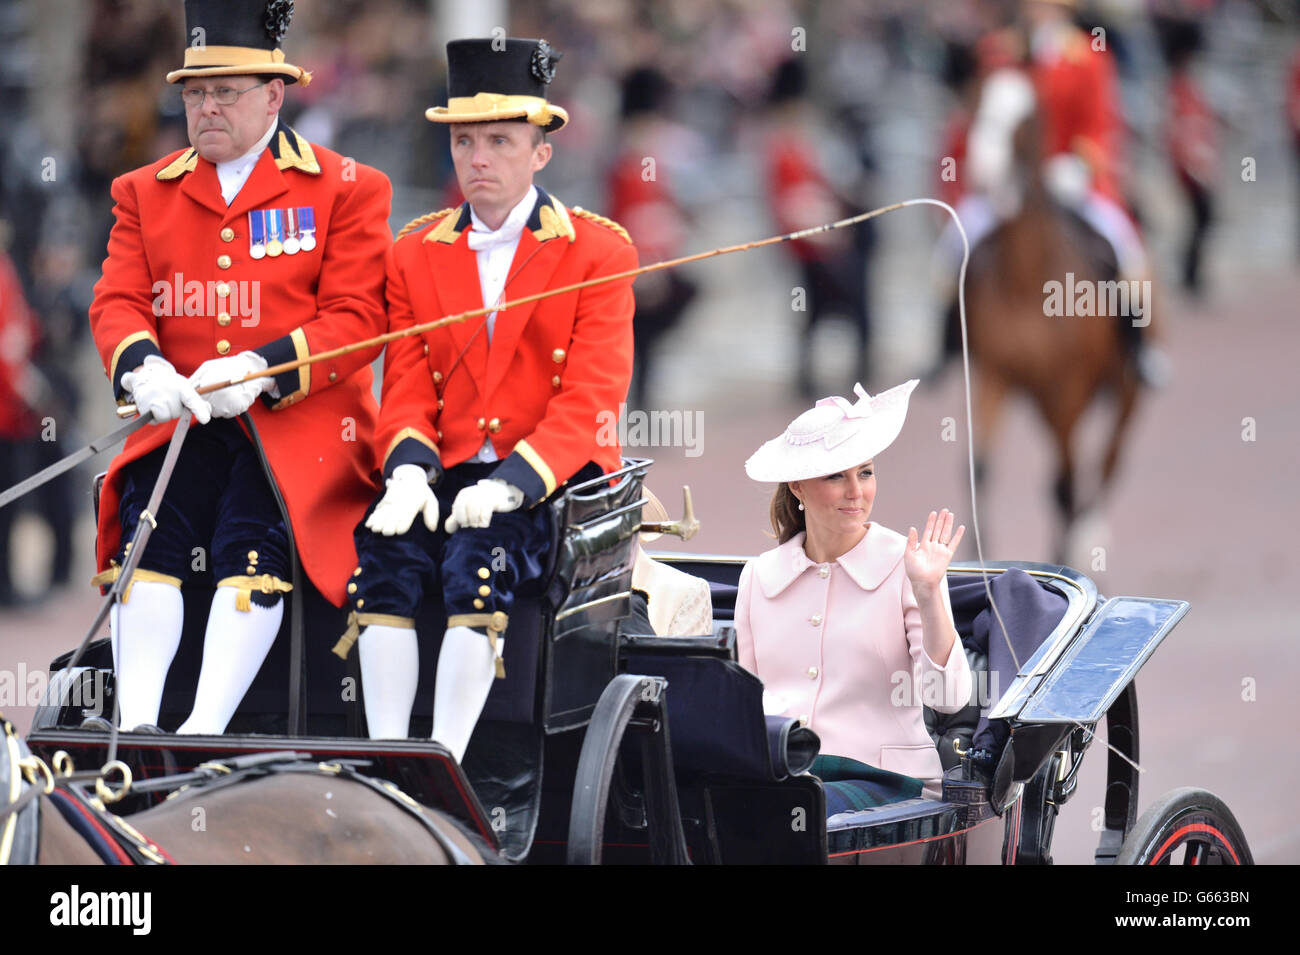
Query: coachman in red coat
[[483, 420], [249, 249]]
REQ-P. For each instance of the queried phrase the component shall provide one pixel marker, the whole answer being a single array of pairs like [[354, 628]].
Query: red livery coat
[[1079, 92], [1078, 95], [547, 391], [177, 248]]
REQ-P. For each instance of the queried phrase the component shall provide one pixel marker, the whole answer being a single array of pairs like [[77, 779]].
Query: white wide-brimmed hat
[[832, 436]]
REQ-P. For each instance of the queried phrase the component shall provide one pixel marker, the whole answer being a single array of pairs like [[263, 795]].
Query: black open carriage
[[636, 748]]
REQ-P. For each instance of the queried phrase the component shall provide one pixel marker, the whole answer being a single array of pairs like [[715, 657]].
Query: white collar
[[232, 165], [513, 225], [870, 561]]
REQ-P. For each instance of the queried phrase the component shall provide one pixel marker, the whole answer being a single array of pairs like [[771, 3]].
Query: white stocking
[[466, 669], [146, 630], [234, 646], [390, 671]]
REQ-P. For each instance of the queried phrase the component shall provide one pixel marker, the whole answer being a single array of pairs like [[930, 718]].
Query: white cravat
[[233, 173], [495, 250]]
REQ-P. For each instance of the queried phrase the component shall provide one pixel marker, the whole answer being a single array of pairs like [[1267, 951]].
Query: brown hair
[[787, 519]]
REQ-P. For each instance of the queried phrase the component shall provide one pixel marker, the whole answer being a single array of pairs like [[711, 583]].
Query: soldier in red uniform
[[1191, 136], [249, 249], [641, 199], [19, 422], [482, 421], [832, 265], [1049, 64]]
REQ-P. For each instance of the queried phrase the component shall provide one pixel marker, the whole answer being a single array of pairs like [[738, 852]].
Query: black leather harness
[[117, 842]]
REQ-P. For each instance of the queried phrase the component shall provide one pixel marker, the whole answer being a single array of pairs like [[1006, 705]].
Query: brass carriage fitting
[[686, 528], [106, 795]]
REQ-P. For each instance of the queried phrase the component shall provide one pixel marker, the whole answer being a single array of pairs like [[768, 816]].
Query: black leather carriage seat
[[740, 774], [1031, 612]]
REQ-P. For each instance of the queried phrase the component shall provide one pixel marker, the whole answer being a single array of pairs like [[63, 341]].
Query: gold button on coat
[[494, 425], [441, 403], [481, 423], [484, 591], [352, 588], [223, 347], [223, 289], [555, 381], [478, 604], [227, 234], [223, 261], [334, 376], [484, 573], [557, 356], [437, 376], [223, 319]]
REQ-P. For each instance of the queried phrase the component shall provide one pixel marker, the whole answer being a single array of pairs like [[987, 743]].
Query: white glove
[[232, 400], [159, 389], [475, 505], [408, 494]]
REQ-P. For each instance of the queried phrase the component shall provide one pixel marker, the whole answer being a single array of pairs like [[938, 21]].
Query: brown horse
[[300, 817], [1062, 363]]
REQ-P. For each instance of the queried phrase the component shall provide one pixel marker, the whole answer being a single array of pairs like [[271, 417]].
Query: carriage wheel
[[1186, 827], [625, 699]]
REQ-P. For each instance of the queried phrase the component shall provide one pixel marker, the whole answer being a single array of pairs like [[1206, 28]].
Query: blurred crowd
[[679, 109]]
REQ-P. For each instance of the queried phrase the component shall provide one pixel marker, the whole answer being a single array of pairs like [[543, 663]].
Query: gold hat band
[[486, 107], [235, 60]]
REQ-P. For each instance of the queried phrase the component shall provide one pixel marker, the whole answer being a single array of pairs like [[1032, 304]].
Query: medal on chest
[[256, 234], [291, 242], [274, 233], [307, 228]]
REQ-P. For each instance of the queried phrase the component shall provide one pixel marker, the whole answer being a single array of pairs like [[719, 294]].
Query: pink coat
[[839, 646]]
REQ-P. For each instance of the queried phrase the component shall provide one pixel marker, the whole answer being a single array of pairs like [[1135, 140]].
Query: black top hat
[[502, 78], [237, 38], [644, 90]]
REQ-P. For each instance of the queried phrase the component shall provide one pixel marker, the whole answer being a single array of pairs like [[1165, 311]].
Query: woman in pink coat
[[847, 623]]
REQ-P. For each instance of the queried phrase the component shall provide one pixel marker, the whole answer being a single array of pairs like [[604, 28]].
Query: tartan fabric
[[851, 785]]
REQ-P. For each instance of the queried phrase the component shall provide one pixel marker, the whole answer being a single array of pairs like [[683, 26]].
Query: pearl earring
[[801, 505]]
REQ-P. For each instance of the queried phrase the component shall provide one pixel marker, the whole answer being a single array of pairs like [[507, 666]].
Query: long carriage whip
[[134, 550], [127, 410]]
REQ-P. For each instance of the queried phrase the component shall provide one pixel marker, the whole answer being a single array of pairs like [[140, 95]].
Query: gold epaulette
[[187, 161], [597, 218], [423, 220]]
